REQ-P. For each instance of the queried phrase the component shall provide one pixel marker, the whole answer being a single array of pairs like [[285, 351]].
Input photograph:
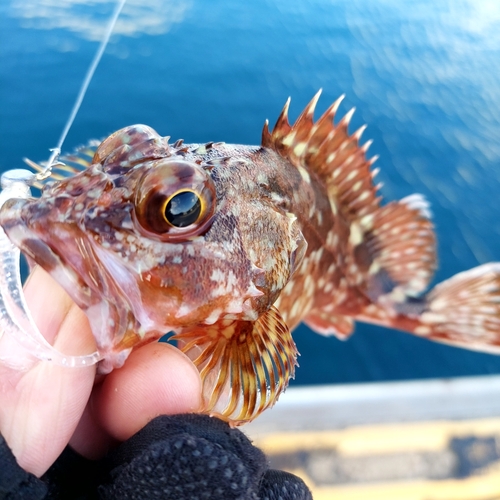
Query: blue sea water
[[423, 75]]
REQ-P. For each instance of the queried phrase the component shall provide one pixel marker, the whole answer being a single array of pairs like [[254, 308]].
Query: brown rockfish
[[232, 246]]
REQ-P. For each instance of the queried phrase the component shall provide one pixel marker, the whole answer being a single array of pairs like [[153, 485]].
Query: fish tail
[[463, 310]]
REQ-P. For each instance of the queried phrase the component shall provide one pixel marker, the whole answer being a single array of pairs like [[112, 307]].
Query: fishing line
[[83, 90], [16, 320]]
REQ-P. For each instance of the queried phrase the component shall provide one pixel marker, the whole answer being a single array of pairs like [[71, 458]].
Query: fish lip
[[31, 240], [13, 222], [11, 213]]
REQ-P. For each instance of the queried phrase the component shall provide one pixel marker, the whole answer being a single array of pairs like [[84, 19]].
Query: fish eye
[[175, 200], [183, 208]]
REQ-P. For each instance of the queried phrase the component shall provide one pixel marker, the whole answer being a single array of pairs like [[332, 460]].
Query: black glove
[[178, 457], [15, 483]]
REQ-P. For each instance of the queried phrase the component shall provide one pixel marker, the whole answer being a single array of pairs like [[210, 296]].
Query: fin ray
[[244, 365], [465, 310], [328, 324], [67, 164], [401, 242], [329, 151]]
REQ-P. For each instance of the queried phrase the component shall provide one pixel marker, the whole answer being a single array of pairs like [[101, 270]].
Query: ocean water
[[423, 75]]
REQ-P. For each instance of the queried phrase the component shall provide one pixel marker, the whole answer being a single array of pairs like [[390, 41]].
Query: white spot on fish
[[213, 317], [288, 140], [304, 174], [356, 235], [423, 330], [217, 275], [319, 217], [300, 148], [351, 175]]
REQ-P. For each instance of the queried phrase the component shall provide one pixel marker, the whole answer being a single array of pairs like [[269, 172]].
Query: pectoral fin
[[244, 365], [401, 246]]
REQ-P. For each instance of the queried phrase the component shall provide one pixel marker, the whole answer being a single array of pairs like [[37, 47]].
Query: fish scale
[[268, 236]]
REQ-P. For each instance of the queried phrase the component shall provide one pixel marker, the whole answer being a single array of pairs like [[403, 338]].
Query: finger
[[157, 379], [40, 411]]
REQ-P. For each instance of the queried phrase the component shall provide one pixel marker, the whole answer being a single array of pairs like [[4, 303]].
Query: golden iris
[[174, 200]]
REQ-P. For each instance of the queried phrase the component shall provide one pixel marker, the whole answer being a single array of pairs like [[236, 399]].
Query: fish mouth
[[31, 230], [85, 272], [63, 250]]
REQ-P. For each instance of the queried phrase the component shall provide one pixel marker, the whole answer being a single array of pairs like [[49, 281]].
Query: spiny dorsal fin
[[329, 151], [244, 365], [81, 158], [402, 245], [66, 165]]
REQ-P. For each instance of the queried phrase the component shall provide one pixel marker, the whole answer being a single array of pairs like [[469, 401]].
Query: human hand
[[48, 406]]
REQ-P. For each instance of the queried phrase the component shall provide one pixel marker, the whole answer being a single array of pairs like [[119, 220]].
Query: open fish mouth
[[29, 234], [23, 340], [87, 283], [30, 243], [100, 285]]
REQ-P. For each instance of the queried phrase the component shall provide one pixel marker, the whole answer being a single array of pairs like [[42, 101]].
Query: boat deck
[[424, 440]]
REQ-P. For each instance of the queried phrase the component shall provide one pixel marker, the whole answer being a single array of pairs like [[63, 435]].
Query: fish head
[[149, 239]]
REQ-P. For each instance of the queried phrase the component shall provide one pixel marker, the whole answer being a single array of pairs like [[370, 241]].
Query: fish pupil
[[183, 209]]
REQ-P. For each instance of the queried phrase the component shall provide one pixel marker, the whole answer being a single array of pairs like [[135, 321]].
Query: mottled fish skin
[[232, 246]]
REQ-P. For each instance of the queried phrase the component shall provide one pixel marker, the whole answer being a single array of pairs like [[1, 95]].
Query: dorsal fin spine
[[308, 113], [328, 151], [366, 145], [346, 119], [357, 135]]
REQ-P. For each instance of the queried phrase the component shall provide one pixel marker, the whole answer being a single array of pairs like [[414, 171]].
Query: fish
[[231, 246]]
